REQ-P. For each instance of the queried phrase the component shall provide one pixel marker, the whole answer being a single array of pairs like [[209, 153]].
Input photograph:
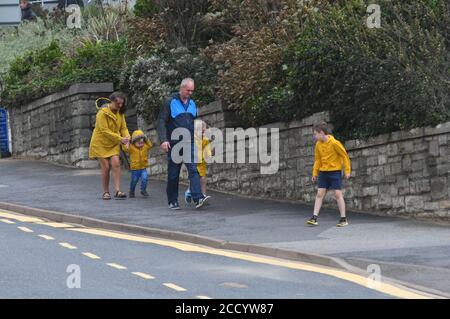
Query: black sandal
[[106, 196], [120, 195]]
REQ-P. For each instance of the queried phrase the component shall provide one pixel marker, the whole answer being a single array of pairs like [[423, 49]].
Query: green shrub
[[372, 81], [150, 80], [49, 70], [145, 8]]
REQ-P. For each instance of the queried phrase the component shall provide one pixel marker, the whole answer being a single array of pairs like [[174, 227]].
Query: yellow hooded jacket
[[110, 128], [138, 156], [330, 156], [204, 150]]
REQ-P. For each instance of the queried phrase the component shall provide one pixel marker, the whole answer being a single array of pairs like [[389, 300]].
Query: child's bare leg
[[104, 165], [203, 184], [319, 199], [340, 201], [115, 165]]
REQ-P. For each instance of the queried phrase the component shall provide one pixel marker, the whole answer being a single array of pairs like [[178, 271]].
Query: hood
[[330, 139], [136, 135], [105, 109]]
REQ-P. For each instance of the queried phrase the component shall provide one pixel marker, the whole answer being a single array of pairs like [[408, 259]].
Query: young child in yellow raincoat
[[138, 149], [204, 150]]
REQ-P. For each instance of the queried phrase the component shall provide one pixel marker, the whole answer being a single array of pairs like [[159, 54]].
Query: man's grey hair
[[185, 82]]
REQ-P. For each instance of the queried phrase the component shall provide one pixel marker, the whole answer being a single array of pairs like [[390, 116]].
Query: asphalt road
[[35, 260], [412, 251]]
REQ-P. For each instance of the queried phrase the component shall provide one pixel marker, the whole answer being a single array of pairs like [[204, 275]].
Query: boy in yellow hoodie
[[138, 149], [329, 159], [204, 150]]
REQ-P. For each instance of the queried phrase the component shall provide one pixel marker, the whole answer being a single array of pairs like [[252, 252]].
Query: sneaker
[[187, 197], [342, 222], [174, 206], [202, 201], [131, 195], [144, 193], [312, 221]]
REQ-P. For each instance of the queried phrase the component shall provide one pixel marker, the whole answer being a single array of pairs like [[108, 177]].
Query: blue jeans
[[173, 177], [135, 176]]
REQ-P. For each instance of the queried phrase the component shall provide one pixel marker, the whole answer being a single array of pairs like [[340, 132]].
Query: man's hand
[[165, 146], [314, 179]]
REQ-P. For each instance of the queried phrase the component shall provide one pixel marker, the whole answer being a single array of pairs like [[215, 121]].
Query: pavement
[[411, 251]]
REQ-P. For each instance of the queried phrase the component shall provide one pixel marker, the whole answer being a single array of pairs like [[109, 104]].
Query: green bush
[[145, 8], [34, 36], [148, 81], [372, 81], [49, 70]]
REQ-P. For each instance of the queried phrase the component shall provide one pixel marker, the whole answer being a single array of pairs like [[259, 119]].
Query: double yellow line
[[383, 287]]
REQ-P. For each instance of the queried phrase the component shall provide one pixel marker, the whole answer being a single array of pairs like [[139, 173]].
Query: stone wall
[[58, 127], [402, 173]]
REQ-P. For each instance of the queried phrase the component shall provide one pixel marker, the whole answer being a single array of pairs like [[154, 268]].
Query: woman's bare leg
[[115, 165], [104, 165]]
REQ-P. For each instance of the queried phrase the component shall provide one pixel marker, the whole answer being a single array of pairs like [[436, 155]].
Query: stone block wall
[[58, 127], [402, 173]]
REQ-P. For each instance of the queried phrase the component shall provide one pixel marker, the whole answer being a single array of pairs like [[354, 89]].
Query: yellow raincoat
[[110, 128], [138, 156], [205, 151]]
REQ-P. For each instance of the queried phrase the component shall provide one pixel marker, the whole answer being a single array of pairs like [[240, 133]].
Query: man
[[27, 11], [179, 111]]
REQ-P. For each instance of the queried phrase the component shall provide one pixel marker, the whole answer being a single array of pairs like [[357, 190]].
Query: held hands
[[125, 141], [165, 146]]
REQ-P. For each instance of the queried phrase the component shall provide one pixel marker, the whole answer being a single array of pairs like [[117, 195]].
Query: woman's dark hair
[[119, 95]]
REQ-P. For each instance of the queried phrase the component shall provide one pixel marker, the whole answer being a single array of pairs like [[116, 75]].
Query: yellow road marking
[[91, 255], [20, 218], [387, 288], [117, 266], [55, 225], [7, 221], [143, 275], [47, 237], [390, 289], [203, 297], [68, 246], [174, 287], [25, 229]]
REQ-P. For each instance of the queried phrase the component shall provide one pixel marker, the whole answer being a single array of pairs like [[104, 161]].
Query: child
[[330, 156], [205, 150], [138, 149]]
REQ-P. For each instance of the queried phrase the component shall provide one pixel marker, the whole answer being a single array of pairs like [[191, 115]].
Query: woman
[[110, 131]]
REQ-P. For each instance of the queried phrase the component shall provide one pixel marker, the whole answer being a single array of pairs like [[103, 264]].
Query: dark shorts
[[330, 180]]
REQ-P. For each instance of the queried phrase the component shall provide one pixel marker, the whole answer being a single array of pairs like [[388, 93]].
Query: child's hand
[[347, 176], [314, 179], [125, 140]]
